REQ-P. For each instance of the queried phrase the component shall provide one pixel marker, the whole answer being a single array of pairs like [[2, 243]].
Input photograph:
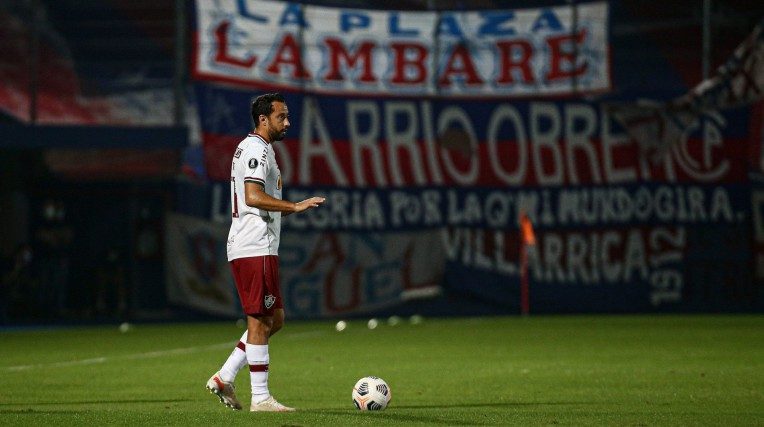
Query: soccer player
[[253, 243]]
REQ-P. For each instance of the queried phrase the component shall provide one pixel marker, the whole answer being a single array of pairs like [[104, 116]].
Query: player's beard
[[278, 136]]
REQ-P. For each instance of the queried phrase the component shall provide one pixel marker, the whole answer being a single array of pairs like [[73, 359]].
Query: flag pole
[[524, 298]]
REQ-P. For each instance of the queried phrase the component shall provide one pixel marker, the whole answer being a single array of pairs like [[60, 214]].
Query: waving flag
[[526, 229], [739, 81]]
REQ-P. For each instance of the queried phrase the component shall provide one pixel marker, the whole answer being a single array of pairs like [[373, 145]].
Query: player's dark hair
[[263, 104]]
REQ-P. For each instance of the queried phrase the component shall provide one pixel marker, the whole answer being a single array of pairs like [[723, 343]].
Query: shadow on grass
[[442, 418], [400, 418], [490, 405]]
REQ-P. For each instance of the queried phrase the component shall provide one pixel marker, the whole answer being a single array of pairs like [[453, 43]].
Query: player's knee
[[259, 329], [276, 327], [278, 322]]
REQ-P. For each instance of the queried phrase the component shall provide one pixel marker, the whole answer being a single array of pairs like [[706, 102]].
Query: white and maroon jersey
[[254, 232]]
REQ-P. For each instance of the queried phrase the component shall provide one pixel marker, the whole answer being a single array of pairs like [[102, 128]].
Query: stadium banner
[[624, 248], [197, 273], [400, 142], [757, 191], [494, 53], [61, 97], [444, 154], [616, 231], [323, 274]]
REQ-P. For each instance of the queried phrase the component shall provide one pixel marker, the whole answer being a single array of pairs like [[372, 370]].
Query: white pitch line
[[147, 355], [97, 360]]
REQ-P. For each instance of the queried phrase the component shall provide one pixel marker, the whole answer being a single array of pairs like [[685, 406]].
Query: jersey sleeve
[[255, 165]]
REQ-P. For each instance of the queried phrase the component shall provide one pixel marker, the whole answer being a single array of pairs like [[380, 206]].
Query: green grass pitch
[[546, 370]]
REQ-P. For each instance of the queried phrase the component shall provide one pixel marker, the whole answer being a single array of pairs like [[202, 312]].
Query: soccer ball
[[371, 394]]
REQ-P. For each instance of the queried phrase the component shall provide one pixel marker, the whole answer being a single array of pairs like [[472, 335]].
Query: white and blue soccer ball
[[371, 394]]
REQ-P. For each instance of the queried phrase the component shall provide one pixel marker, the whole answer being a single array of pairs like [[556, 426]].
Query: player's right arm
[[256, 197]]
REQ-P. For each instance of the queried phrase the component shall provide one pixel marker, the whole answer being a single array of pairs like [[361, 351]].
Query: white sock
[[235, 361], [257, 357]]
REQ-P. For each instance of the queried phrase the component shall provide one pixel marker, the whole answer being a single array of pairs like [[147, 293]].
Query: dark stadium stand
[[118, 45]]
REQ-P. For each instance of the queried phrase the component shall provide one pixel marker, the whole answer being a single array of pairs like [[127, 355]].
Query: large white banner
[[498, 53]]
